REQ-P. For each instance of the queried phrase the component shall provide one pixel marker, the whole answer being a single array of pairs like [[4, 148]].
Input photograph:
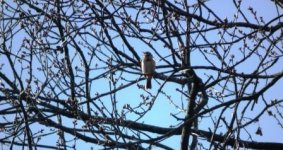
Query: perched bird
[[148, 67]]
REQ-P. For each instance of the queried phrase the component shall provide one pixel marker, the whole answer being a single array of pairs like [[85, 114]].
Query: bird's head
[[147, 55]]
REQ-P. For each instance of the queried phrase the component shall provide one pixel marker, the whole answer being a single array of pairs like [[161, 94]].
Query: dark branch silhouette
[[71, 78]]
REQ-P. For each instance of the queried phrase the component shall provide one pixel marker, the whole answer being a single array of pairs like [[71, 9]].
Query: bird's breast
[[147, 67]]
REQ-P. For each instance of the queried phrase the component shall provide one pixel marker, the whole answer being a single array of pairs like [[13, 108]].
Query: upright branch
[[195, 85]]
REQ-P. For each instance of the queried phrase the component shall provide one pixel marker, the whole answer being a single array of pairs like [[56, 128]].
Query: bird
[[148, 68]]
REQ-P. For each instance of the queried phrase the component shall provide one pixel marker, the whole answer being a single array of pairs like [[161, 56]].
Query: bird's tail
[[148, 83]]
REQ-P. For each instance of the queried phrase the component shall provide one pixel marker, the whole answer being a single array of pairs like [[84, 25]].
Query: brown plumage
[[148, 67]]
